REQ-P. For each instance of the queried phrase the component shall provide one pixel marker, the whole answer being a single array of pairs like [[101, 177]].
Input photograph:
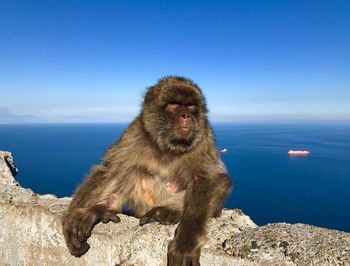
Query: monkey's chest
[[163, 184], [170, 177], [163, 179]]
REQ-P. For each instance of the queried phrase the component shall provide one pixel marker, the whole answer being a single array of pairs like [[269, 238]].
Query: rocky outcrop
[[30, 234], [8, 169]]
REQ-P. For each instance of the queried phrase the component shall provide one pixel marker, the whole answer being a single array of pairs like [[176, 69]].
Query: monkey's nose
[[185, 116]]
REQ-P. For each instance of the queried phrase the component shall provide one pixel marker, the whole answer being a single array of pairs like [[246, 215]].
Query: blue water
[[269, 186]]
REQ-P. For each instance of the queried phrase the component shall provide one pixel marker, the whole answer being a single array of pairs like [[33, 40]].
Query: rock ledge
[[31, 234]]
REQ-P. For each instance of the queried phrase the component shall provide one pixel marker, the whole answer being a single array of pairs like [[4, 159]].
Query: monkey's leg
[[88, 207], [222, 191], [161, 214], [169, 211]]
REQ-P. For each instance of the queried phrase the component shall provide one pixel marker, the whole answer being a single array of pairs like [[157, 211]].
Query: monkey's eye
[[171, 107], [173, 103], [191, 106]]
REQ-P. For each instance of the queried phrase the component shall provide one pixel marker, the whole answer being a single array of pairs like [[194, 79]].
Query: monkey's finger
[[105, 219], [84, 233], [195, 261], [72, 242], [110, 216], [187, 261], [74, 232], [178, 260], [115, 219], [168, 221], [75, 229], [76, 244], [88, 234], [85, 227], [82, 230], [160, 216], [146, 219], [81, 236], [78, 252], [195, 258], [173, 219]]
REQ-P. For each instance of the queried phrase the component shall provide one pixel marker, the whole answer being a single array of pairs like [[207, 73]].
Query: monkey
[[165, 167]]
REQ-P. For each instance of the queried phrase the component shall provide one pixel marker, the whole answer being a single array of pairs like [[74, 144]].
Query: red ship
[[299, 153]]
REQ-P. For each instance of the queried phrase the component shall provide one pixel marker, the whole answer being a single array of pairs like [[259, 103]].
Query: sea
[[269, 185]]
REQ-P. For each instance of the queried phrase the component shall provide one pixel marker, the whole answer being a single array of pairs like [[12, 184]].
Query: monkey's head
[[174, 114]]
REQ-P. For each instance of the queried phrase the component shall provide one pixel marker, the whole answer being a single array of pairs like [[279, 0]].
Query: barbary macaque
[[165, 167]]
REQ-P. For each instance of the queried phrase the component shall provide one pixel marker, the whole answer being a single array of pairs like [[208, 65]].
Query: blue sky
[[90, 61]]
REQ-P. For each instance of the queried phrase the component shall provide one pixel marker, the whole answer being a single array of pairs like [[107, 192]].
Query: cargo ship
[[298, 153]]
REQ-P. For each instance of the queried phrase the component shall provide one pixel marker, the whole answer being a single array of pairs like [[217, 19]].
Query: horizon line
[[290, 121]]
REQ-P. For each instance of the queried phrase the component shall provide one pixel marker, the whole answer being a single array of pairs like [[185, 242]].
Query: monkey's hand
[[163, 215], [180, 255], [77, 226]]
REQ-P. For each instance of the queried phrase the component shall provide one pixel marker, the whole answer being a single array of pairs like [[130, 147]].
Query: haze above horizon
[[91, 61]]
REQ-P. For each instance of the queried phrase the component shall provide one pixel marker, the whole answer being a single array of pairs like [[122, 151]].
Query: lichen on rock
[[295, 244]]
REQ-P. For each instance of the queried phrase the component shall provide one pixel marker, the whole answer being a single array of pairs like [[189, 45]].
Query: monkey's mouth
[[184, 132], [183, 137]]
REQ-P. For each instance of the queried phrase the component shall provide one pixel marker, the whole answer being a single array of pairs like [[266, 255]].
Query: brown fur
[[166, 167]]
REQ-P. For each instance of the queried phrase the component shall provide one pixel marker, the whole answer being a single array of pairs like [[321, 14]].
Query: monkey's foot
[[163, 215]]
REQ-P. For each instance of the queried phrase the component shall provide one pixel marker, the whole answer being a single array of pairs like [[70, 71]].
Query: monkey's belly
[[153, 192]]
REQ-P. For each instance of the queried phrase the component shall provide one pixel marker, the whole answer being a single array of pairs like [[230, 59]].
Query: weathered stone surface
[[31, 234], [292, 244]]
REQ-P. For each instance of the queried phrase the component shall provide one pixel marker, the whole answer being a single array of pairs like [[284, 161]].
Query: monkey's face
[[174, 114], [181, 120]]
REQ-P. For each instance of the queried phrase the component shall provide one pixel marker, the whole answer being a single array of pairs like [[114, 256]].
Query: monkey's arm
[[184, 249], [87, 208]]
